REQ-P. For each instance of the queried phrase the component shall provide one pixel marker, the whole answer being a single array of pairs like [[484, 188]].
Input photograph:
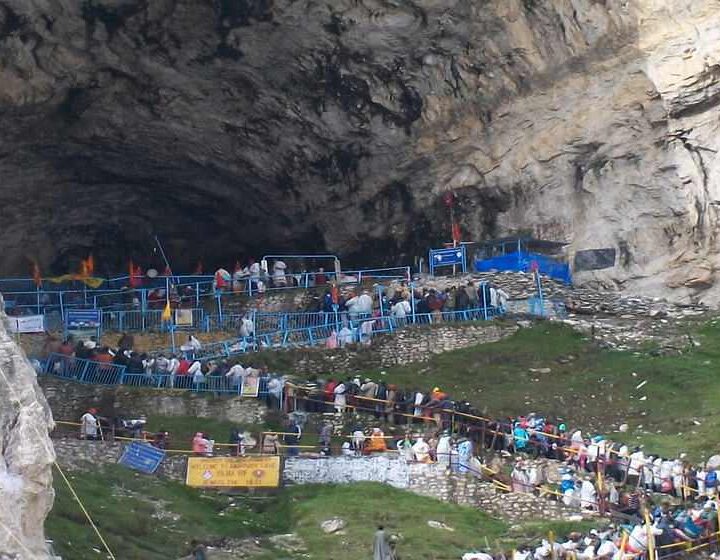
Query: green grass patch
[[147, 518], [364, 506], [143, 517]]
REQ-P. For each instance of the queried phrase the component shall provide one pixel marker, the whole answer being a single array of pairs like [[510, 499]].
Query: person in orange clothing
[[376, 443]]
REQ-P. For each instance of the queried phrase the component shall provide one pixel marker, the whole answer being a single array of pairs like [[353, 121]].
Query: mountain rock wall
[[26, 455], [245, 126]]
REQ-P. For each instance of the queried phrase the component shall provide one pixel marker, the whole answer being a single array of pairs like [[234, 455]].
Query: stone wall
[[81, 455], [433, 481], [69, 400], [407, 346]]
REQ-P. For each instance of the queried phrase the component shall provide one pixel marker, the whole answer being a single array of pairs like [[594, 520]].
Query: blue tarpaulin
[[142, 457], [522, 262]]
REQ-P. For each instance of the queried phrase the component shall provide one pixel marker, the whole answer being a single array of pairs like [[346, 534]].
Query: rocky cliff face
[[250, 125], [26, 455]]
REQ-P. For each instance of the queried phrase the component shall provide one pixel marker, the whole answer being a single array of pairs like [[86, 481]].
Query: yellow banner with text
[[233, 472]]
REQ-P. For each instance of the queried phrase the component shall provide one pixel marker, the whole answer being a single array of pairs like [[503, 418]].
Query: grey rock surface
[[273, 124], [26, 455]]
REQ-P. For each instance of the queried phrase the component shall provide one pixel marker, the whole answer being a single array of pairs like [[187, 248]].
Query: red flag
[[36, 274], [456, 233], [199, 268], [134, 280]]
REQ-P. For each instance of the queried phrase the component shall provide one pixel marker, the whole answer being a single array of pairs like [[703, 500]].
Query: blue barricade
[[142, 457]]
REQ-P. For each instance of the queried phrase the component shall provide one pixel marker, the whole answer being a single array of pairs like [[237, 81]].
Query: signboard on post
[[83, 320], [233, 472], [452, 256], [142, 457], [183, 317], [27, 324], [84, 323]]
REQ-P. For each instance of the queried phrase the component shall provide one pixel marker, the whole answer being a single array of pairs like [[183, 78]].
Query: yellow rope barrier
[[85, 511]]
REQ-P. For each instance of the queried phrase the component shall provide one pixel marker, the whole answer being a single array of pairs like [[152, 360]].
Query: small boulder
[[332, 525]]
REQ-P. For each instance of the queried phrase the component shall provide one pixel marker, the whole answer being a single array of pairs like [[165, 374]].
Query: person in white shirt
[[173, 366], [647, 473], [401, 310], [340, 401], [161, 365], [657, 479], [588, 495], [637, 460], [195, 371], [421, 451], [279, 279], [149, 366], [666, 468], [235, 375], [366, 332], [359, 305], [443, 450], [89, 425], [345, 337], [678, 471], [247, 327]]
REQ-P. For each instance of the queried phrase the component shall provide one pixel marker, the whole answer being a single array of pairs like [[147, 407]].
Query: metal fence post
[[81, 377]]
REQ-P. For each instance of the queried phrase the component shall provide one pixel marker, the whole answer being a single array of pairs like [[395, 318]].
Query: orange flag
[[90, 265], [36, 274]]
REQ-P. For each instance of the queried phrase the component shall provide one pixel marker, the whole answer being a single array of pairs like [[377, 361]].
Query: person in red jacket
[[329, 394]]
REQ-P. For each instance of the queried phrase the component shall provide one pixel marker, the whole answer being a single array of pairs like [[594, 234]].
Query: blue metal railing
[[98, 373], [317, 335], [22, 293]]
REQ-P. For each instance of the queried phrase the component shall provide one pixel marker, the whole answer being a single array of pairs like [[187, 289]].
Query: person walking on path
[[381, 547]]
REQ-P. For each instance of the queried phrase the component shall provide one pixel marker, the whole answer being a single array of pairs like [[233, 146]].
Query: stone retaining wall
[[69, 400], [434, 481], [406, 346]]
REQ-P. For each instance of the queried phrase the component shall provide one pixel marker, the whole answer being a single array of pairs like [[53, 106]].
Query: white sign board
[[27, 324], [341, 470]]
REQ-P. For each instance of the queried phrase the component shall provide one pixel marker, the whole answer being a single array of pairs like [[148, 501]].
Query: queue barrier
[[319, 334], [115, 294], [108, 374]]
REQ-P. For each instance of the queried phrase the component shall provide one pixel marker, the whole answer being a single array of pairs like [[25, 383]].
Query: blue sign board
[[142, 457], [452, 256], [86, 319]]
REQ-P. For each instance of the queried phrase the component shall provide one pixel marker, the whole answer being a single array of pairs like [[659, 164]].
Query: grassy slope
[[123, 505], [596, 389]]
